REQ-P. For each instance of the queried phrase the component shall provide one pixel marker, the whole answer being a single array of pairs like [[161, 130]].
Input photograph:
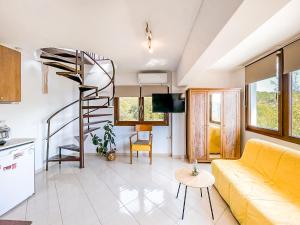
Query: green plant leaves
[[108, 142]]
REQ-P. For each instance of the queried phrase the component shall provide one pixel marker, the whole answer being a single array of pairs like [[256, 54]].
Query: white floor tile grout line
[[156, 205], [118, 176], [217, 220], [60, 213], [88, 198], [26, 209], [123, 205]]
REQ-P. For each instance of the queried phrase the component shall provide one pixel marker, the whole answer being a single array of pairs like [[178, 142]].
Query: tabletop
[[203, 179]]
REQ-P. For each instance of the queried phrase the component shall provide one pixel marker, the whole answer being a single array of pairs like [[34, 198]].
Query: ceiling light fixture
[[149, 37]]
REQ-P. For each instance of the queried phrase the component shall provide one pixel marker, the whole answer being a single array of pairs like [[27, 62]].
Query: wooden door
[[197, 126], [10, 75], [231, 124]]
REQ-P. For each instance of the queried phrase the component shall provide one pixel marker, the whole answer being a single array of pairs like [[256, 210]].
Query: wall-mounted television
[[168, 103]]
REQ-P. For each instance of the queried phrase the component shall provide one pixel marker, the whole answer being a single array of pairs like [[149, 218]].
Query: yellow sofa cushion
[[266, 212], [268, 158], [250, 152], [287, 176]]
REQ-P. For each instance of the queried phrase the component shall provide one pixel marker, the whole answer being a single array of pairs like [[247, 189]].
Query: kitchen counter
[[14, 142]]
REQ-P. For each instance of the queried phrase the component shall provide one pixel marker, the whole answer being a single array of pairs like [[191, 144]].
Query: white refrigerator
[[16, 176]]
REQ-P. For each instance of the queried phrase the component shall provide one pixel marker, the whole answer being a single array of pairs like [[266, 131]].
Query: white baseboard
[[144, 154], [179, 157]]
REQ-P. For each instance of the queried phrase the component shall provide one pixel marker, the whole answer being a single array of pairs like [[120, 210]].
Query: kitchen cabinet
[[10, 75]]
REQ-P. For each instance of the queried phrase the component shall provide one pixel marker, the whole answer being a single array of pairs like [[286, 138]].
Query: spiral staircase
[[91, 104]]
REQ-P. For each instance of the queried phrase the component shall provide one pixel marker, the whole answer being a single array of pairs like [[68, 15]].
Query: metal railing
[[111, 82]]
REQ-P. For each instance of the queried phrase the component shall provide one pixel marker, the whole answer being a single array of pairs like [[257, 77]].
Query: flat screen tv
[[168, 103]]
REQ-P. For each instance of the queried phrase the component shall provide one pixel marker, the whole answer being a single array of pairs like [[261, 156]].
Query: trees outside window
[[130, 111]]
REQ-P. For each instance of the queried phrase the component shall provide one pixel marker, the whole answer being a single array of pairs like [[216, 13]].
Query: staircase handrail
[[111, 81]]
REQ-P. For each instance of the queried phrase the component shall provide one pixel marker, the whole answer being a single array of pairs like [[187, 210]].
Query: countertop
[[16, 142]]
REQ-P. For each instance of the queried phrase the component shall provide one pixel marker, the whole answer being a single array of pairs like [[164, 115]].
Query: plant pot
[[111, 156]]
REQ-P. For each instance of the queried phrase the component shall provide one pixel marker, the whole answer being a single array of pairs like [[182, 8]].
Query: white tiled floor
[[117, 193]]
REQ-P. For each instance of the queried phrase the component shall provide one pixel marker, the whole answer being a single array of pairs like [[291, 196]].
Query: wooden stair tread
[[95, 122], [70, 147], [58, 58], [72, 73], [70, 158], [69, 76], [97, 115], [67, 53], [86, 87], [94, 98], [97, 107], [60, 51], [60, 66], [87, 131], [77, 137]]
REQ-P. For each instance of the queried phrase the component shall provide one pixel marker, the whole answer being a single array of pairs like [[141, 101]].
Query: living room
[[160, 112]]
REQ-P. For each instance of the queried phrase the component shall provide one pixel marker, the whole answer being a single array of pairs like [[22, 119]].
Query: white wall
[[28, 118], [161, 134], [203, 32], [178, 126]]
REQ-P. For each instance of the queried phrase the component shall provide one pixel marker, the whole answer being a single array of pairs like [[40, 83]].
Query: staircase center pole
[[81, 134]]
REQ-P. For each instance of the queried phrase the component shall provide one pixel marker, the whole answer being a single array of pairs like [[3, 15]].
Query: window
[[130, 111], [295, 103], [273, 94], [148, 114], [264, 104]]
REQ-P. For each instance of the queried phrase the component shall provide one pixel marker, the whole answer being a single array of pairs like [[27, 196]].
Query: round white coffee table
[[203, 180]]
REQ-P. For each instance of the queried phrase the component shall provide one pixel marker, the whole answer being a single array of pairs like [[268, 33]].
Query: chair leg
[[130, 156], [137, 154], [59, 156], [150, 155]]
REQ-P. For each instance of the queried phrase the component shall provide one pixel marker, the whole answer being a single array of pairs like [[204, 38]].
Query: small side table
[[203, 180]]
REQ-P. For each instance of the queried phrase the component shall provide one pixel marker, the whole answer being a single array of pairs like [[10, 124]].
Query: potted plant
[[106, 146]]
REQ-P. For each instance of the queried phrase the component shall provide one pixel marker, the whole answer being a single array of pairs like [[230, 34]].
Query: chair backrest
[[143, 127]]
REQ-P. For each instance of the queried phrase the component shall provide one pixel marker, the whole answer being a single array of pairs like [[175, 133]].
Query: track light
[[149, 37]]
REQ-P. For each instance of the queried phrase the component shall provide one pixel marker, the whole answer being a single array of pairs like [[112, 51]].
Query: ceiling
[[281, 28], [112, 28], [244, 38]]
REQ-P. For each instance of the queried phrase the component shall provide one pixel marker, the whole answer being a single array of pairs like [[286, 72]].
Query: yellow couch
[[263, 187]]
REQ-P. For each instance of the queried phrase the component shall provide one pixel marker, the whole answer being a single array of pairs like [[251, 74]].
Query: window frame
[[284, 108], [165, 122], [262, 130]]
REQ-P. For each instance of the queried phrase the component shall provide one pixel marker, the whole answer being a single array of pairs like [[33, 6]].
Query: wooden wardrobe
[[213, 124]]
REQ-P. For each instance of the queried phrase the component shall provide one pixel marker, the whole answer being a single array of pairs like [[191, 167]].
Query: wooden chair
[[140, 144]]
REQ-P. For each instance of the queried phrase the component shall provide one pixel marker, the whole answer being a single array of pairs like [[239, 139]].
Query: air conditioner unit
[[153, 78]]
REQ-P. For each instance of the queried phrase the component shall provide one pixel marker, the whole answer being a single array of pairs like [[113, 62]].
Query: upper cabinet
[[10, 75]]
